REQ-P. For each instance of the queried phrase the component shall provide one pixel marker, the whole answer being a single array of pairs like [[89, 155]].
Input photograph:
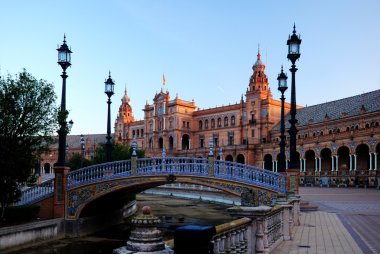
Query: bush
[[21, 214]]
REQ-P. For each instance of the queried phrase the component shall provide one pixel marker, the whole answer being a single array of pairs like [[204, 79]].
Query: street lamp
[[282, 87], [64, 60], [83, 147], [108, 89], [293, 43]]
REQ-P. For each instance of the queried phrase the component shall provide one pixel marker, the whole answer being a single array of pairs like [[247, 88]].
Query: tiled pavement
[[348, 222], [320, 232]]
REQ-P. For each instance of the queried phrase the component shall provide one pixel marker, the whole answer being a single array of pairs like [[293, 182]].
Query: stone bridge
[[71, 192]]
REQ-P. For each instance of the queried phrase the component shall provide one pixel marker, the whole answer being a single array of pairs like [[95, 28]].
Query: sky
[[206, 48]]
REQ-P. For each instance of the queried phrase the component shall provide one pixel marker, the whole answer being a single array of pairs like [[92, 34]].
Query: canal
[[173, 212]]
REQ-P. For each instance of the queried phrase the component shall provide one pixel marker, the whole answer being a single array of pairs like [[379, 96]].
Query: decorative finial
[[258, 53], [64, 38], [211, 145], [134, 146], [220, 153], [163, 152], [294, 28], [109, 74]]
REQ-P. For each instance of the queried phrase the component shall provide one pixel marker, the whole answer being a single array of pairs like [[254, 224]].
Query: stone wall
[[31, 232]]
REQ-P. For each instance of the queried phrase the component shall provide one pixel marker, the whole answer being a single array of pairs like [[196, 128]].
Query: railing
[[36, 193], [274, 226], [231, 237], [165, 165], [250, 174], [98, 172]]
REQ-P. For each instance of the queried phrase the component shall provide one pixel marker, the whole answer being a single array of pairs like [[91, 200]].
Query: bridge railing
[[97, 172], [172, 165], [36, 193], [250, 174]]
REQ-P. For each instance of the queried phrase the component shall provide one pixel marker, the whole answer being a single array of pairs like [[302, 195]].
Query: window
[[230, 138], [200, 123], [183, 124], [138, 133], [216, 142], [212, 123], [206, 124], [133, 133], [225, 121], [188, 124], [219, 122], [253, 133], [232, 120], [142, 132], [201, 141]]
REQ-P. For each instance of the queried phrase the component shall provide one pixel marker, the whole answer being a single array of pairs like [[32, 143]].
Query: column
[[316, 164], [273, 166], [301, 165], [262, 163], [320, 164], [375, 161], [351, 162], [370, 161], [164, 123], [337, 163], [287, 164], [332, 163], [189, 143], [355, 161]]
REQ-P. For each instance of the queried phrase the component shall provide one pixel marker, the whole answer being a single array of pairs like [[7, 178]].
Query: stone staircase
[[306, 206]]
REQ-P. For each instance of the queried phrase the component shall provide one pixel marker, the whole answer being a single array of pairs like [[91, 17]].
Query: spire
[[163, 82], [125, 98], [258, 62], [294, 28]]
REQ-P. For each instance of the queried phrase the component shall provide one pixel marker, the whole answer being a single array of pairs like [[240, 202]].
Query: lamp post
[[293, 54], [64, 60], [109, 88], [83, 147], [282, 87]]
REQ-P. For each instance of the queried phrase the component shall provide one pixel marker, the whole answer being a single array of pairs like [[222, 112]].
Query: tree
[[28, 119], [119, 152], [76, 161]]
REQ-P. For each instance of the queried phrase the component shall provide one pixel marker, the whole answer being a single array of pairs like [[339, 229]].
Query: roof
[[74, 140], [334, 110]]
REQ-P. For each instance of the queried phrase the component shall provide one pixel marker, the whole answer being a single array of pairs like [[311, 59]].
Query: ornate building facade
[[338, 141]]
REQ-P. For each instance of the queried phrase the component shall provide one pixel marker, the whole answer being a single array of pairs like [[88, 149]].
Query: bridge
[[73, 191]]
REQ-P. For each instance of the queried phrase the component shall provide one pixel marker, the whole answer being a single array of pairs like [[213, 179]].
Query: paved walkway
[[320, 232]]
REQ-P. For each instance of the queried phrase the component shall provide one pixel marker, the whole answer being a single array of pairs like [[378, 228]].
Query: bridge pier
[[60, 183]]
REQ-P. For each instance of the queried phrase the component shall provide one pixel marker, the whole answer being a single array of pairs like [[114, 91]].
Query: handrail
[[164, 165], [36, 193]]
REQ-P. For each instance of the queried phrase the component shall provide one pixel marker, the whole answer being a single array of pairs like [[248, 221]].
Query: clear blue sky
[[205, 48]]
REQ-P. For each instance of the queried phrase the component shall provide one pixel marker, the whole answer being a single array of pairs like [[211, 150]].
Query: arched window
[[232, 120], [212, 123], [225, 121], [133, 133], [219, 122], [200, 124], [206, 124]]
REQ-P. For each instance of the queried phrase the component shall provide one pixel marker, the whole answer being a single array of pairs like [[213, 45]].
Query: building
[[338, 141]]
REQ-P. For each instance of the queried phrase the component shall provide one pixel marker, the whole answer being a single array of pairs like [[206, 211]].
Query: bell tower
[[124, 118]]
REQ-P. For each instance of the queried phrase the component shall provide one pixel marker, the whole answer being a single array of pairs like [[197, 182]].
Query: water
[[172, 211]]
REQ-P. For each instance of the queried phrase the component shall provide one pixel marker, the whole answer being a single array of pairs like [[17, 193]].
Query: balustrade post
[[134, 157], [286, 230], [60, 183], [257, 240]]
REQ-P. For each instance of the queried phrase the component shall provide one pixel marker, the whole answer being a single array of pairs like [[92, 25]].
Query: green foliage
[[119, 152], [28, 119], [77, 161], [19, 214]]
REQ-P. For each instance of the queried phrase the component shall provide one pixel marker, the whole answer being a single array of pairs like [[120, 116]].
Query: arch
[[240, 159], [362, 152], [171, 143], [213, 123], [229, 158], [377, 149], [47, 168], [160, 143], [310, 160], [206, 124], [232, 120], [325, 160], [186, 142], [343, 159], [219, 122], [226, 121], [218, 157], [200, 124], [268, 162]]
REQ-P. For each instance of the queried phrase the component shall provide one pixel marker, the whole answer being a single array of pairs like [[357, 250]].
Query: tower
[[123, 120]]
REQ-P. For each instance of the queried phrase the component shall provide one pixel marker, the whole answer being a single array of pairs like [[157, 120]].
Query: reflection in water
[[172, 211]]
